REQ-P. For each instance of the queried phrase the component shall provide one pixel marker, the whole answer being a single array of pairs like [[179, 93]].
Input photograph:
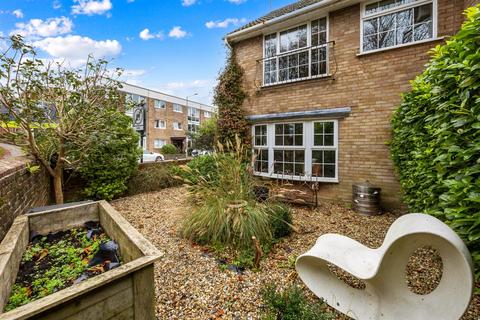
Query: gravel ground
[[191, 285]]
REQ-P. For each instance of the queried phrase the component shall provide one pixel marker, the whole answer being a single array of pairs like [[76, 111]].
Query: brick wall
[[169, 116], [370, 84], [20, 191]]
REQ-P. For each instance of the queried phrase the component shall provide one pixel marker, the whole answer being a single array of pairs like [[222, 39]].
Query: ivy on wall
[[229, 97], [436, 136]]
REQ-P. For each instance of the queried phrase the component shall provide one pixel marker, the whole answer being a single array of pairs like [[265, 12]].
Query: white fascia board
[[290, 19], [133, 89]]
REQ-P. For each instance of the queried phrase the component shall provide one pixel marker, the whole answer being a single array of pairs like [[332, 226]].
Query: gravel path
[[191, 285]]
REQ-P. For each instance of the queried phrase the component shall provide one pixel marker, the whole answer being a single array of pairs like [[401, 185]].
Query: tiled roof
[[278, 13]]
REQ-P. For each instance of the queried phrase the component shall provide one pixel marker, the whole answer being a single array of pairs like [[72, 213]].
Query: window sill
[[296, 178], [160, 128], [400, 46], [178, 111]]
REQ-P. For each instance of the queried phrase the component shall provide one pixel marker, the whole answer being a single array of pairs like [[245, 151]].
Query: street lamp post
[[186, 136]]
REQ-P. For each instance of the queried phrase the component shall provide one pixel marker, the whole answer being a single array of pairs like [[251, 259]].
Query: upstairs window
[[177, 108], [207, 114], [177, 125], [160, 124], [296, 54], [392, 23], [159, 104]]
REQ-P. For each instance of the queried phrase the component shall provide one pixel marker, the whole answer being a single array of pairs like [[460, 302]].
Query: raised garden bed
[[125, 292]]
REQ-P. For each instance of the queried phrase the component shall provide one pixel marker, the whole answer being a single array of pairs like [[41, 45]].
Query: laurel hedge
[[436, 136]]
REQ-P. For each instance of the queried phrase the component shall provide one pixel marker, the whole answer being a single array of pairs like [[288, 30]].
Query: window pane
[[318, 127], [371, 8], [386, 4], [404, 18], [317, 156], [278, 155], [328, 127], [299, 140], [299, 169], [329, 157], [270, 45], [278, 128], [386, 39], [279, 140], [423, 13], [329, 171], [299, 156], [423, 31], [288, 168], [370, 43], [404, 35], [288, 140], [386, 22], [288, 155], [370, 26]]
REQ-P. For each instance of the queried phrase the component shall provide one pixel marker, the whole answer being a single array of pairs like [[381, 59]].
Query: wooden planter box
[[126, 292]]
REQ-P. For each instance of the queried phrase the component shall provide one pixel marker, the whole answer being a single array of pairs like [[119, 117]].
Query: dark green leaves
[[436, 136]]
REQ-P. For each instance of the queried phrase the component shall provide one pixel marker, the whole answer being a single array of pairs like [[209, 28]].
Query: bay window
[[296, 54], [392, 23], [306, 151]]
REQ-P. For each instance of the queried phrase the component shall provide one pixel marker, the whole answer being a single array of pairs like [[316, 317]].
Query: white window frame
[[158, 122], [177, 105], [308, 146], [155, 146], [396, 9], [178, 127], [207, 114], [163, 104], [308, 48]]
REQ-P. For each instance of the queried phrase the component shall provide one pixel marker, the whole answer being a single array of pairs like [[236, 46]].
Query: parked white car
[[152, 156]]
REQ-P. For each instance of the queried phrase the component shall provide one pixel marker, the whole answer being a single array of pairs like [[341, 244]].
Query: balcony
[[297, 65]]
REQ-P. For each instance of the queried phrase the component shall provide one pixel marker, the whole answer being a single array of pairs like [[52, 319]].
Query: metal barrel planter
[[366, 198]]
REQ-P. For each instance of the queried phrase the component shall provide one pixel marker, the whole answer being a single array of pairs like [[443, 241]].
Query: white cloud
[[203, 87], [48, 28], [18, 13], [237, 1], [177, 32], [188, 3], [56, 4], [145, 34], [225, 23], [91, 7], [75, 49]]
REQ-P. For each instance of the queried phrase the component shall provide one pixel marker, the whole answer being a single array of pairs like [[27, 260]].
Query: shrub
[[153, 177], [200, 167], [291, 304], [227, 213], [112, 159], [280, 219], [169, 149], [435, 143], [206, 136]]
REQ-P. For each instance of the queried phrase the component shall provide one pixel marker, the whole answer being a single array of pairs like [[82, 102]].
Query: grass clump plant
[[291, 304], [227, 213]]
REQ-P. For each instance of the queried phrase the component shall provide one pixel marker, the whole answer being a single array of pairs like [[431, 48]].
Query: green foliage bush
[[152, 177], [436, 136], [280, 219], [169, 149], [291, 304], [201, 167], [112, 159], [206, 136]]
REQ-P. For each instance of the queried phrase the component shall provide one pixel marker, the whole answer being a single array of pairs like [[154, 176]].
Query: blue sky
[[174, 46]]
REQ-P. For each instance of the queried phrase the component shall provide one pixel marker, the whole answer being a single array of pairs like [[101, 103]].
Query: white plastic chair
[[383, 270]]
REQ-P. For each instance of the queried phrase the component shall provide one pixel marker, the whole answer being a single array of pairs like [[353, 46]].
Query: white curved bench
[[386, 295]]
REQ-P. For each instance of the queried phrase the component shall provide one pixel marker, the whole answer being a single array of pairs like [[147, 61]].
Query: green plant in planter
[[169, 149]]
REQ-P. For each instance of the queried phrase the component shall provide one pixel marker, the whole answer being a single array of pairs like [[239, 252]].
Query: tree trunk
[[57, 185]]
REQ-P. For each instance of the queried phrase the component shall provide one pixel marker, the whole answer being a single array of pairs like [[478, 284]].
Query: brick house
[[168, 118], [323, 78]]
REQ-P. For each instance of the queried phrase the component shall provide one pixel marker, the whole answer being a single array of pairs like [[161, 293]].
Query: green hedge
[[436, 136], [169, 149], [152, 177]]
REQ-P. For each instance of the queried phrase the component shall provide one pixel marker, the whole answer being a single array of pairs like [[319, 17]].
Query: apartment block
[[168, 118]]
